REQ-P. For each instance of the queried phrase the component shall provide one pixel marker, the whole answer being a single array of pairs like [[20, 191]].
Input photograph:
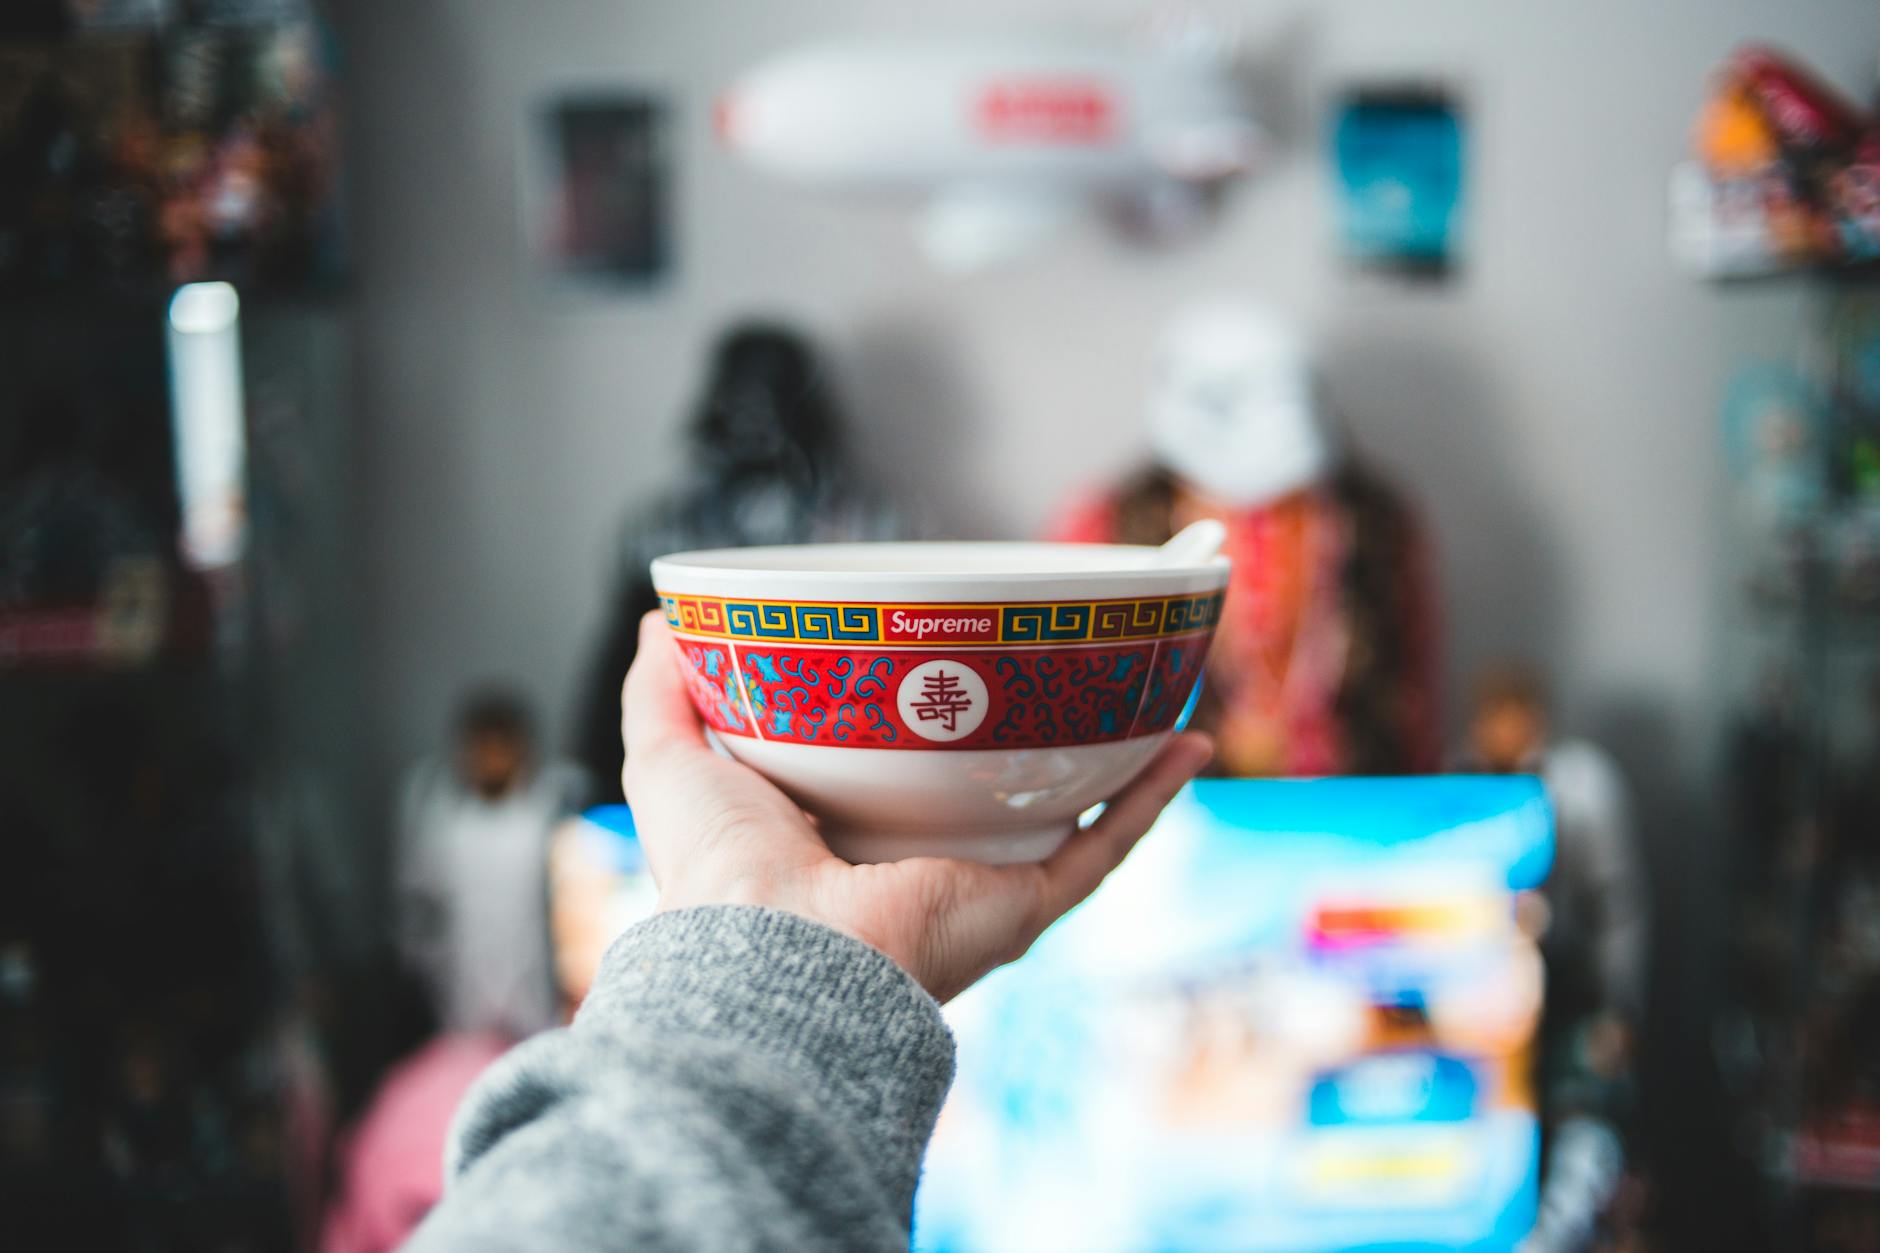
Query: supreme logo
[[1054, 110], [920, 623]]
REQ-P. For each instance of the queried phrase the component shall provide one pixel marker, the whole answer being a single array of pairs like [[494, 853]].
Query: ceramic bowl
[[962, 700]]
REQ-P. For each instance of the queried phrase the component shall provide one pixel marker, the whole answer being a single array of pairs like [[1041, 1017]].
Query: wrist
[[739, 890]]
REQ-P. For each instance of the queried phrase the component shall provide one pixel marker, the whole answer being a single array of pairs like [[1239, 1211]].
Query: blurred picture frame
[[596, 194], [1399, 166]]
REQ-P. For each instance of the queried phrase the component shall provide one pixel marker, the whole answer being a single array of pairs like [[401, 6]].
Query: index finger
[[655, 709]]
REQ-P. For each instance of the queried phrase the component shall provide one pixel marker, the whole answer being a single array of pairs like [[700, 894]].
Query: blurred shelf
[[1849, 1162]]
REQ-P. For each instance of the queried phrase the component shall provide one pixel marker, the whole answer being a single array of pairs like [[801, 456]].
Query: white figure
[[1233, 406], [472, 874]]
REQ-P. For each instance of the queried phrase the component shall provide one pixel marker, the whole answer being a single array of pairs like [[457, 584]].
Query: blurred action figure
[[1593, 918], [1325, 660], [473, 873], [768, 466]]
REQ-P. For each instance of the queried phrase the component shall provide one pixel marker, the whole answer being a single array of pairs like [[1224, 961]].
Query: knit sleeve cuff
[[852, 1026]]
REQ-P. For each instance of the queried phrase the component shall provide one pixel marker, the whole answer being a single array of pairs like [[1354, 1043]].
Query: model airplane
[[1007, 139]]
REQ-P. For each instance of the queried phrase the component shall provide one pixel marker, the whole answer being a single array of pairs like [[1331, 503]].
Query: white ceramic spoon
[[1194, 545]]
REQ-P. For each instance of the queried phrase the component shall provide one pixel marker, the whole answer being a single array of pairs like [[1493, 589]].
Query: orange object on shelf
[[1732, 137]]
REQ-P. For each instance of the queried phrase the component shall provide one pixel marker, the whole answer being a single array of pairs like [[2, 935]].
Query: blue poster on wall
[[1398, 159]]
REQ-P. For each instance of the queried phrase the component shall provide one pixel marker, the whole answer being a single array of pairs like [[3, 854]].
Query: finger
[[1075, 870], [679, 788], [656, 710]]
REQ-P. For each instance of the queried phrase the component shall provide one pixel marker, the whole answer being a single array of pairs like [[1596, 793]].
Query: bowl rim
[[1132, 564]]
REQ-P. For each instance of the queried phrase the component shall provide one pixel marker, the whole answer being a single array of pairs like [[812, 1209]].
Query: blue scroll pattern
[[1081, 697], [816, 698]]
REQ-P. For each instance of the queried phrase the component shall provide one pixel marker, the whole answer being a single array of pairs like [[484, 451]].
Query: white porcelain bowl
[[962, 700]]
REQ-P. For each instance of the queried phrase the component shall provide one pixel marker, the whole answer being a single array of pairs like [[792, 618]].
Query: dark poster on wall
[[601, 213]]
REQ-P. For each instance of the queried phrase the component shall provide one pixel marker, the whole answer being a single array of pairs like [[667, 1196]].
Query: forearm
[[738, 1078]]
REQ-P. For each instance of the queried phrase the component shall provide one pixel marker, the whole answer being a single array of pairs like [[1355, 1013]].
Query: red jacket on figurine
[[1326, 660]]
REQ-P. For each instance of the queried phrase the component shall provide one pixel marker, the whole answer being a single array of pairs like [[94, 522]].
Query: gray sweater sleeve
[[739, 1078]]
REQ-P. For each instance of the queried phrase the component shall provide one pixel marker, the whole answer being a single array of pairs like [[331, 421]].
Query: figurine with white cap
[[1325, 662]]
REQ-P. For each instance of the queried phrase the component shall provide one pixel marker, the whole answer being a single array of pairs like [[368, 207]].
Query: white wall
[[1554, 409]]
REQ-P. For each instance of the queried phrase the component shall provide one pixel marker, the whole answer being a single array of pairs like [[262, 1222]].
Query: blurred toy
[[1773, 425], [1733, 137], [472, 872], [1325, 659], [1594, 936], [768, 465], [1597, 896], [1009, 139], [1810, 120], [1852, 350], [1787, 173], [1775, 432]]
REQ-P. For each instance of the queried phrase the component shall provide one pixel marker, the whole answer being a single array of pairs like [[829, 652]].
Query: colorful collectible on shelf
[[1773, 423], [1786, 173], [170, 151], [1837, 1044], [1775, 435], [768, 464], [1593, 926], [1325, 659], [89, 574], [1853, 344]]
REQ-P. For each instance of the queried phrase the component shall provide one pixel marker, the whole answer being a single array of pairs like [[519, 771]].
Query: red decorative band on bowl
[[952, 625], [916, 698]]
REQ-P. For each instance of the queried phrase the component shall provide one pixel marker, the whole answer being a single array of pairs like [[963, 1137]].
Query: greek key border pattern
[[1033, 622]]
